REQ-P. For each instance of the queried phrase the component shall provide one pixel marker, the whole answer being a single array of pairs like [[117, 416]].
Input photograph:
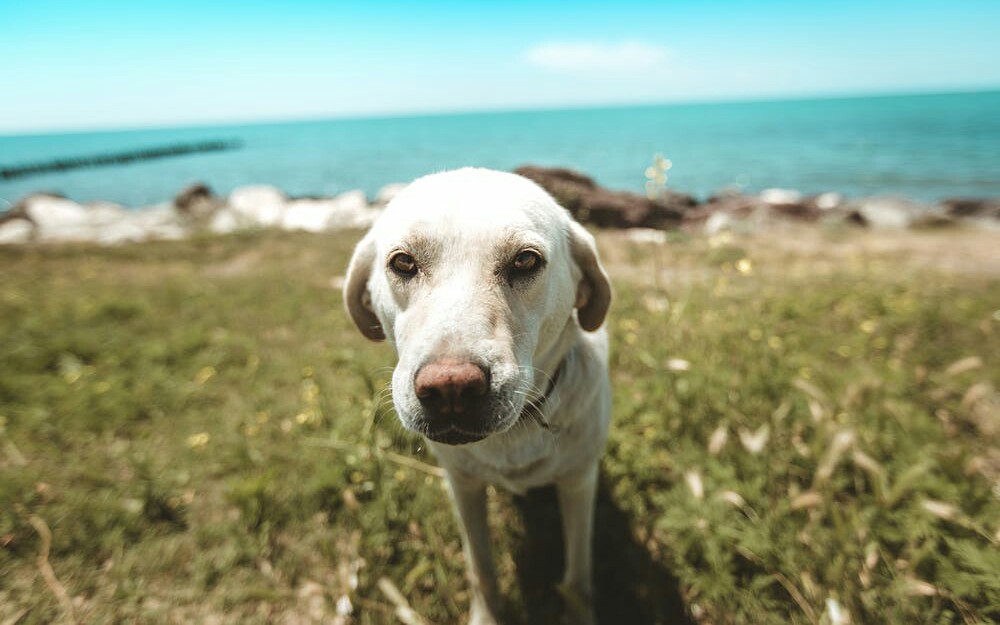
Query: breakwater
[[8, 172]]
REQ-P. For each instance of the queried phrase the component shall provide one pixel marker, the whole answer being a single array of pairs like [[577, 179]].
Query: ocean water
[[924, 146]]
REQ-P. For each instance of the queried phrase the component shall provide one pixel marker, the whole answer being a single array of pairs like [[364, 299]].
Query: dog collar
[[533, 410]]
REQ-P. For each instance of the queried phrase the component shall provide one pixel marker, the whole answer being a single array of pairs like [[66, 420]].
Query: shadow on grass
[[630, 586]]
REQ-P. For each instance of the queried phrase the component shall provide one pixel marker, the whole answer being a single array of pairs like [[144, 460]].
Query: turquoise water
[[924, 146]]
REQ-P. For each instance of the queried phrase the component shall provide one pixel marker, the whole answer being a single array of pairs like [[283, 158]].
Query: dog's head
[[476, 277]]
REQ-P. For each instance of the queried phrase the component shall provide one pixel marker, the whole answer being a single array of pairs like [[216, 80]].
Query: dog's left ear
[[357, 298], [593, 293]]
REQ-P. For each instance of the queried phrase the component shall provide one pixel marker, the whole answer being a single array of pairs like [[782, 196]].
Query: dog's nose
[[449, 387]]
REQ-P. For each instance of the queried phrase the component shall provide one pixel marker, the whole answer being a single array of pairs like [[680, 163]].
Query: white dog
[[493, 298]]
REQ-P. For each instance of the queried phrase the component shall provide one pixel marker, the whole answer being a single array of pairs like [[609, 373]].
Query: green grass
[[196, 424]]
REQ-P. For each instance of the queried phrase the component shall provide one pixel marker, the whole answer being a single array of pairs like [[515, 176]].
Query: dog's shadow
[[629, 585]]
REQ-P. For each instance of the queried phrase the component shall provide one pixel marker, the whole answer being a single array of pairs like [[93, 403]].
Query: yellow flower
[[204, 375], [199, 440]]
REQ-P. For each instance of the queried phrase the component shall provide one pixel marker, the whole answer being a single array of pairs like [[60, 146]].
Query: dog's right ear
[[357, 298]]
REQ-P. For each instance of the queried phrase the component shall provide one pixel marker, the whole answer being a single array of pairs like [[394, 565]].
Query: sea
[[927, 147]]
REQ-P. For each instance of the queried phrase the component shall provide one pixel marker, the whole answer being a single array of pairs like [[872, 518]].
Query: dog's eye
[[403, 264], [525, 263]]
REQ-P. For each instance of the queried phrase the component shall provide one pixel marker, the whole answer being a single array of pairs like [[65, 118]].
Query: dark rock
[[736, 205], [590, 203], [976, 208], [197, 200]]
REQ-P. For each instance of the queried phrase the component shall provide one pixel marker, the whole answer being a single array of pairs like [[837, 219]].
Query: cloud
[[587, 56]]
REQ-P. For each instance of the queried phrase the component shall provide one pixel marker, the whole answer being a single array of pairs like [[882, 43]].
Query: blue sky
[[104, 63]]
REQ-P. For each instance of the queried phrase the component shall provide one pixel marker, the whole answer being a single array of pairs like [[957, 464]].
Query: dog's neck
[[549, 368]]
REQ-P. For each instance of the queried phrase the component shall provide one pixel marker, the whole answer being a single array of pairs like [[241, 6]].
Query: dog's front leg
[[577, 494], [469, 496]]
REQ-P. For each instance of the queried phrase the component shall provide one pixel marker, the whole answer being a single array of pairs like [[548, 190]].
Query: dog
[[493, 298]]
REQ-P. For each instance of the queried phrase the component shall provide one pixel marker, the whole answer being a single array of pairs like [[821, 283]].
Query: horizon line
[[526, 108]]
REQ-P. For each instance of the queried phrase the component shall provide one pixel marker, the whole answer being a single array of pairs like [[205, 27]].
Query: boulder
[[972, 208], [59, 219], [226, 220], [779, 197], [13, 231], [258, 205], [347, 210], [828, 201], [736, 206], [591, 203], [197, 200], [161, 222], [892, 212]]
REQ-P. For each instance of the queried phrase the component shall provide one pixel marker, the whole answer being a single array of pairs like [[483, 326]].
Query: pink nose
[[451, 387]]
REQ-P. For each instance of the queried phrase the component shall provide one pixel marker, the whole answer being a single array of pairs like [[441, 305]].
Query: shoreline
[[50, 218]]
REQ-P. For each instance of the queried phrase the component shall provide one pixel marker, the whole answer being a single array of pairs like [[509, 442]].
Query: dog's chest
[[524, 459]]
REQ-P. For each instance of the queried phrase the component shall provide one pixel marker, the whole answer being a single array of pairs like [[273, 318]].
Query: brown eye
[[527, 262], [403, 264]]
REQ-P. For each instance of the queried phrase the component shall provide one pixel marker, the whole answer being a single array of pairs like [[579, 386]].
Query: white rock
[[162, 221], [104, 213], [352, 200], [310, 215], [389, 191], [57, 218], [891, 212], [258, 205], [123, 231], [780, 196], [829, 201], [16, 231], [225, 221], [348, 210]]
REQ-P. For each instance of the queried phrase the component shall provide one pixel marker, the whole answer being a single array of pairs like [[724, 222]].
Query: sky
[[112, 64]]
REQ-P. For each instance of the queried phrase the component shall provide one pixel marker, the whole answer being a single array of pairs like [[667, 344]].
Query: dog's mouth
[[451, 435]]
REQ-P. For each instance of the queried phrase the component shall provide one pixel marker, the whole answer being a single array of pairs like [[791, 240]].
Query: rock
[[161, 222], [308, 214], [780, 196], [13, 231], [736, 205], [347, 210], [891, 212], [57, 218], [828, 201], [387, 192], [590, 203], [225, 221], [60, 219], [197, 200], [974, 208], [258, 205], [49, 211]]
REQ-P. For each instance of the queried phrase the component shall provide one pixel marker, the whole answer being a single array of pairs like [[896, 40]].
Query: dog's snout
[[449, 387]]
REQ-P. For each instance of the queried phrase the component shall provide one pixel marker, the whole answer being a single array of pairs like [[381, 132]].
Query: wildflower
[[199, 440], [204, 375]]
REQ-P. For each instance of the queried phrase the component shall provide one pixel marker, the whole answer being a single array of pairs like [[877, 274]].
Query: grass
[[806, 430]]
